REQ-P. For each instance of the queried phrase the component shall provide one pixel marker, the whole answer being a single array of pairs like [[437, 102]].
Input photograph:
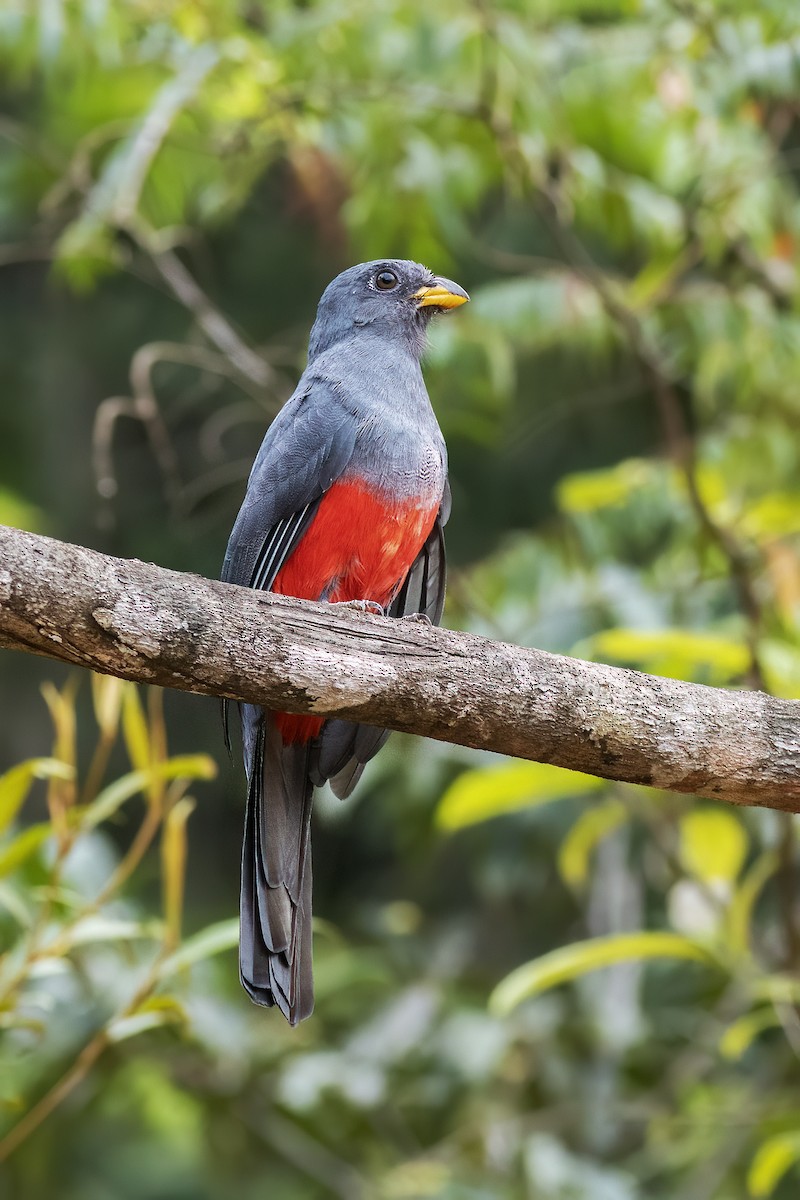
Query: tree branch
[[144, 623]]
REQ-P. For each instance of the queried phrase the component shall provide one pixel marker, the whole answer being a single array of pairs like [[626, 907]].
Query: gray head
[[391, 298]]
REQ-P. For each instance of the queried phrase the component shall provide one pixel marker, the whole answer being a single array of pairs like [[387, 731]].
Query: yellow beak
[[442, 293]]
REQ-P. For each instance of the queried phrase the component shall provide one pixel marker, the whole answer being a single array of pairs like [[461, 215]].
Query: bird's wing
[[306, 449], [342, 748]]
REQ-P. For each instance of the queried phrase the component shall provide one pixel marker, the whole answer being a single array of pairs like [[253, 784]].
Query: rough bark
[[145, 623]]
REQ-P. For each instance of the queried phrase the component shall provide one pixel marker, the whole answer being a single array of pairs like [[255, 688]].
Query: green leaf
[[655, 277], [778, 989], [224, 935], [739, 1036], [713, 845], [486, 792], [184, 766], [14, 904], [676, 653], [127, 1027], [773, 1159], [113, 797], [590, 828], [593, 490], [98, 928], [570, 962], [115, 196], [780, 660], [153, 1013], [17, 1020], [18, 513], [85, 251], [15, 784], [550, 308], [20, 848]]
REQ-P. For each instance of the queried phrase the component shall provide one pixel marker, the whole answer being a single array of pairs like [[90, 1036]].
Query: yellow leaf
[[486, 792], [173, 866], [589, 829], [61, 792], [774, 514], [712, 485], [588, 491], [570, 962], [162, 1003], [107, 693], [243, 99], [134, 729], [15, 784], [676, 653], [62, 714], [773, 1159], [713, 845]]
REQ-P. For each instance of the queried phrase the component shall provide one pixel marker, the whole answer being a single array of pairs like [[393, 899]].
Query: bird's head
[[393, 298]]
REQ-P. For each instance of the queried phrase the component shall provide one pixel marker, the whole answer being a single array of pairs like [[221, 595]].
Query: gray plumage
[[359, 413]]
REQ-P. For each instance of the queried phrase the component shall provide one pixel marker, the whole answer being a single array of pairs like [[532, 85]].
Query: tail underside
[[275, 936]]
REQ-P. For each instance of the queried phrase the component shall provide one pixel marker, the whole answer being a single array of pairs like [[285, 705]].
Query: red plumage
[[359, 546]]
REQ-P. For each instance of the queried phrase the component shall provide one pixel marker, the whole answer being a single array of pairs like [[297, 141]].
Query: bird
[[346, 503]]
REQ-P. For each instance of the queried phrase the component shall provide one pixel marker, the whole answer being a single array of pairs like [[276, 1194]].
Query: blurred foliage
[[616, 182]]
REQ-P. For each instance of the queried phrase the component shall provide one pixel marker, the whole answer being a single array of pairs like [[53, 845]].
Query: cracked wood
[[152, 625]]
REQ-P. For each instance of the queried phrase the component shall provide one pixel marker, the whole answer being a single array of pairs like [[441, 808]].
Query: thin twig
[[186, 289]]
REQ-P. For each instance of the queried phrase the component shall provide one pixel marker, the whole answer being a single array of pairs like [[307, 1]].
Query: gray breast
[[399, 447], [401, 459]]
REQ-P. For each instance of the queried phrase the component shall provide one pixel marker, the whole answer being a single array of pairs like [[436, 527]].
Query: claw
[[420, 618], [365, 606]]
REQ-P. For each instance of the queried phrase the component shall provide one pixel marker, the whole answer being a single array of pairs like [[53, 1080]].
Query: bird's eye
[[386, 280]]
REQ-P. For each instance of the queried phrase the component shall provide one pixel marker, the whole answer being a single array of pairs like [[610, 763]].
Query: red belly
[[359, 546]]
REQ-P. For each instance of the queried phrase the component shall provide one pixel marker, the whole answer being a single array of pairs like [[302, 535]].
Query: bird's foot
[[364, 606], [419, 618]]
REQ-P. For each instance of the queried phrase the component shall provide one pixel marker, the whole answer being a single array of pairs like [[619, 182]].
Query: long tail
[[275, 908]]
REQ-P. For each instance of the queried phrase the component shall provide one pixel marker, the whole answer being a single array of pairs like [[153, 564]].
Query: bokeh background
[[616, 183]]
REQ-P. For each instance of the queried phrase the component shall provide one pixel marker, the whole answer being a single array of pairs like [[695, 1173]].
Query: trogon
[[346, 502]]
